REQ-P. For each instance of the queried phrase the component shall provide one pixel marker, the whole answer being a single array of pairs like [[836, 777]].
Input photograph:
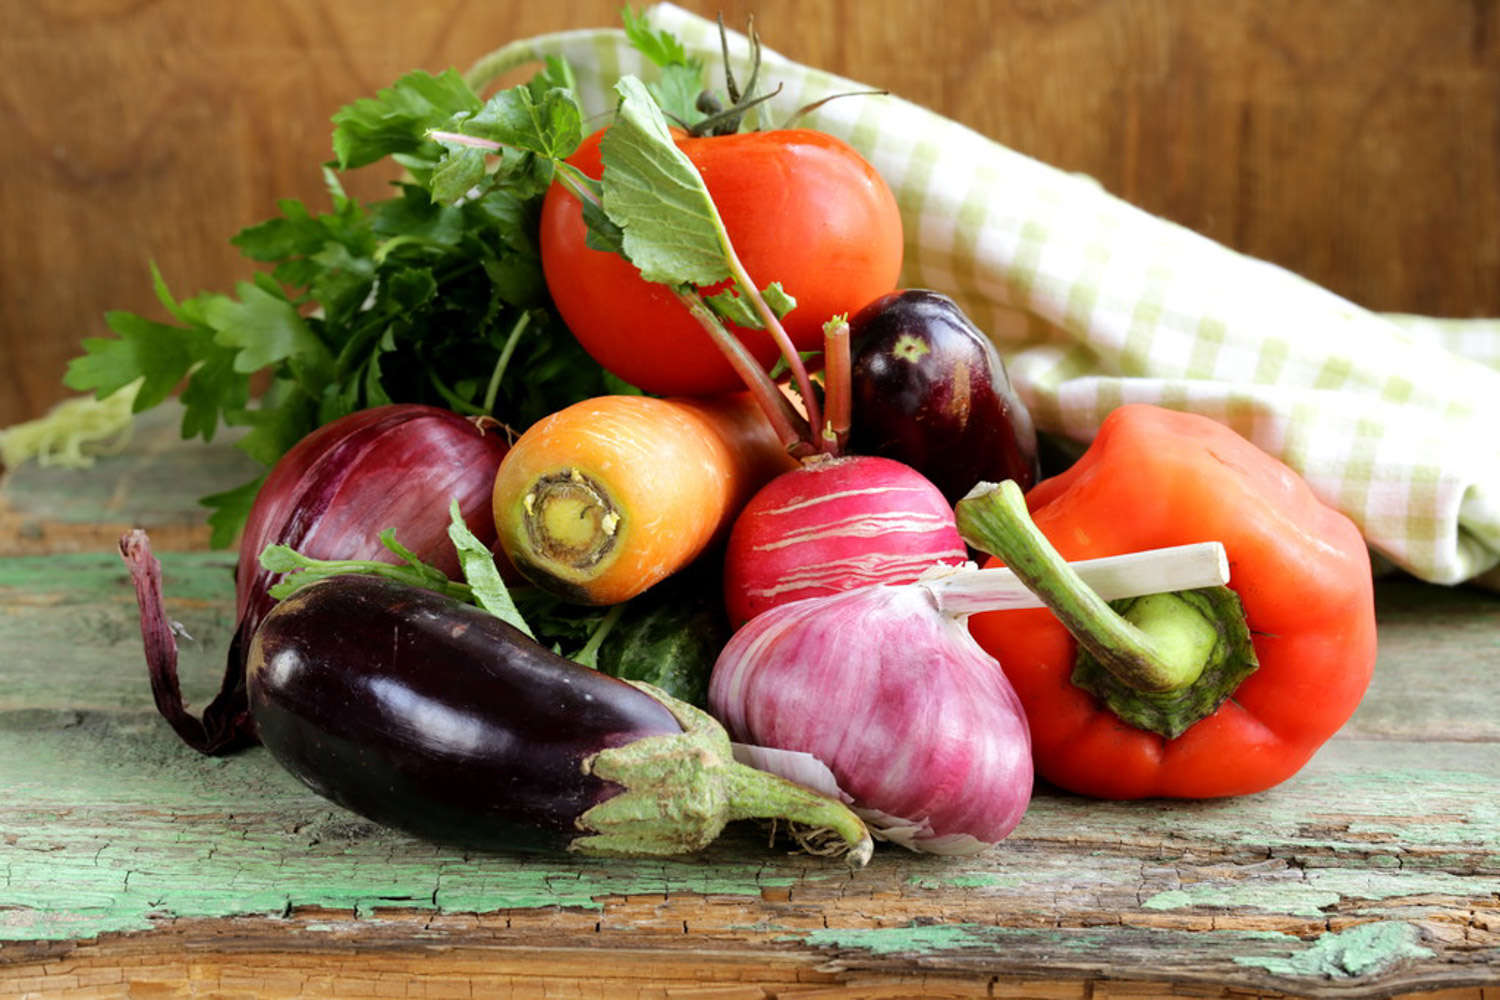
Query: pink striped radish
[[834, 524]]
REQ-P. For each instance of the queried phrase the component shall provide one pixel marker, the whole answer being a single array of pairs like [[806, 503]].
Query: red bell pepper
[[1160, 698]]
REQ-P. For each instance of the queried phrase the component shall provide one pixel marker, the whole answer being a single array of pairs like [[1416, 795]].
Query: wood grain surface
[[1354, 141]]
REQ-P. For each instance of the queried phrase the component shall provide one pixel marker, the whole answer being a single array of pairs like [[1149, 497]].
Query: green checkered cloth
[[1395, 420]]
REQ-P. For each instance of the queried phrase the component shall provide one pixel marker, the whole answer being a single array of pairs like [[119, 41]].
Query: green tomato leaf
[[671, 230]]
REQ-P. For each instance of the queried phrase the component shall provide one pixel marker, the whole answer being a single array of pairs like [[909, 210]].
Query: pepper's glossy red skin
[[801, 207], [1155, 477]]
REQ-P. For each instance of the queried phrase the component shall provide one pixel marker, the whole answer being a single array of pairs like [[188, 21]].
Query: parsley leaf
[[680, 81], [395, 122], [155, 352]]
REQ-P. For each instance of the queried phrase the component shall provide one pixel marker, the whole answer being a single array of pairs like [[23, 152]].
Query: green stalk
[[493, 389], [680, 790], [588, 655], [1160, 661]]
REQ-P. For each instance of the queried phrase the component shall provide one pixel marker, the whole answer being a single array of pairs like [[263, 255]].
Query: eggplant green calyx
[[681, 789], [1160, 662]]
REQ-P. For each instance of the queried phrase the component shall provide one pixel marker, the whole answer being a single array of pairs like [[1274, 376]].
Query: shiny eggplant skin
[[931, 390], [432, 716]]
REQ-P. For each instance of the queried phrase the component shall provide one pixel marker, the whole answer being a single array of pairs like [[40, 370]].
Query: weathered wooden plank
[[111, 826], [1376, 870], [155, 483]]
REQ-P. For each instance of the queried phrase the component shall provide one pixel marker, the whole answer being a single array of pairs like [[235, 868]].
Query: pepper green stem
[[681, 789], [997, 522], [1161, 661]]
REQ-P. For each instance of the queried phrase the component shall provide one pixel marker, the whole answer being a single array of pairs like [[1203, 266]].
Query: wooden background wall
[[1354, 141]]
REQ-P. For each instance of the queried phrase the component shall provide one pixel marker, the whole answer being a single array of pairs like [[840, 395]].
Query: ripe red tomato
[[801, 207]]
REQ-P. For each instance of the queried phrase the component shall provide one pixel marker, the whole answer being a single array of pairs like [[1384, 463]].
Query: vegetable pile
[[616, 491]]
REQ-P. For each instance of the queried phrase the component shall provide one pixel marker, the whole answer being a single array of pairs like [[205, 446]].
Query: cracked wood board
[[1379, 865], [1375, 871]]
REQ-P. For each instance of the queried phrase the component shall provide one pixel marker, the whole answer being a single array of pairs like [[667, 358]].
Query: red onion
[[886, 686], [329, 497], [835, 524]]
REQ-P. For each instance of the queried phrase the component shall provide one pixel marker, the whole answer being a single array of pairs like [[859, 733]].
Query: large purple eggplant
[[433, 716], [931, 390]]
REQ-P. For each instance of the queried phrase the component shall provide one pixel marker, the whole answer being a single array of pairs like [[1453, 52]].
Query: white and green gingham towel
[[1393, 420]]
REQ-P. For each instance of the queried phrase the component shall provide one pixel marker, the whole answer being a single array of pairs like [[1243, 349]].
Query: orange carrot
[[601, 500]]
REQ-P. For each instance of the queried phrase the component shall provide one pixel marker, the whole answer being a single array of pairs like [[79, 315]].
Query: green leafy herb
[[432, 295], [483, 577], [298, 570], [678, 90], [395, 122]]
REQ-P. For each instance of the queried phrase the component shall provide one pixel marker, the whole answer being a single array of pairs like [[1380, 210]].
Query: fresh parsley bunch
[[433, 295]]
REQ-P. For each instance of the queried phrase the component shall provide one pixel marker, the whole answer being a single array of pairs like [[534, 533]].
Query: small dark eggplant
[[930, 389], [432, 716]]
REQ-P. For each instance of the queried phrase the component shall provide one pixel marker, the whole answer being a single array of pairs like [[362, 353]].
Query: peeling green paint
[[89, 577], [964, 880], [1313, 892], [1363, 950], [921, 938], [122, 826], [1300, 900], [70, 629]]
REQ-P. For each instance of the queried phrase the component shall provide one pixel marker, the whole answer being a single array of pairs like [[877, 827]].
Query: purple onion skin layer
[[395, 466], [914, 719], [930, 389], [329, 497], [434, 717]]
